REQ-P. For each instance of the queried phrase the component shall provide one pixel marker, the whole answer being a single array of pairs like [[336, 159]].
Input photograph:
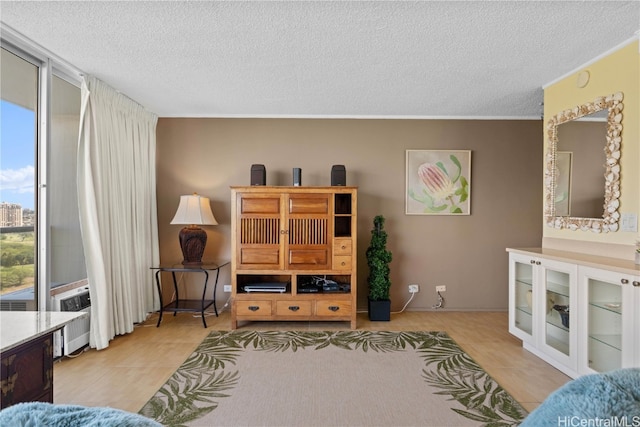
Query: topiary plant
[[378, 259]]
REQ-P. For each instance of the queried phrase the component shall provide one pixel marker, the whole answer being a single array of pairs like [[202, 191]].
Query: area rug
[[331, 378]]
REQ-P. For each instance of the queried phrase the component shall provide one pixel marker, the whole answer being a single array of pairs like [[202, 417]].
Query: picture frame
[[438, 182]]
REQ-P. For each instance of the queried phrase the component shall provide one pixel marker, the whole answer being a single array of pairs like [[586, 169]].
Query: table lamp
[[193, 210]]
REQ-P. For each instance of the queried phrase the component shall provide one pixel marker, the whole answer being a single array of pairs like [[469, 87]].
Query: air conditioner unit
[[74, 335]]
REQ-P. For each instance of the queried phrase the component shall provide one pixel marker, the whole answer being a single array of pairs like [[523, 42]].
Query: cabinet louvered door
[[308, 231], [260, 231]]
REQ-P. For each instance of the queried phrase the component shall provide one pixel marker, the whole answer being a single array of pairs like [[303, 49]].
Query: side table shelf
[[190, 305]]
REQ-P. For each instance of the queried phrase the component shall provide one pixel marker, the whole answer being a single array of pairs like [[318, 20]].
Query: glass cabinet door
[[604, 325], [610, 323], [523, 293], [557, 311]]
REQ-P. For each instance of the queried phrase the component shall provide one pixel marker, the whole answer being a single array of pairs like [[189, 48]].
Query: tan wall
[[465, 253], [619, 71]]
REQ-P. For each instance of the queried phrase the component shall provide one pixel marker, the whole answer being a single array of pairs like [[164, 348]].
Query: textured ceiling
[[335, 59]]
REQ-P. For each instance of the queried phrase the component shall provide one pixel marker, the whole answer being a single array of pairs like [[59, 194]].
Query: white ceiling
[[328, 59]]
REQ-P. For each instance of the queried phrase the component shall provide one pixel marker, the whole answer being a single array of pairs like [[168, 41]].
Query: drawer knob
[[343, 263], [334, 308], [343, 247], [254, 308], [624, 281], [636, 283], [294, 308]]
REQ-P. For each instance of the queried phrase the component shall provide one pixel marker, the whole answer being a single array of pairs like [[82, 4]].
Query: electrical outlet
[[414, 288], [227, 288], [441, 288]]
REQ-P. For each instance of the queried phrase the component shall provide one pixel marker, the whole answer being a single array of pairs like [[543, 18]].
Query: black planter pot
[[380, 311]]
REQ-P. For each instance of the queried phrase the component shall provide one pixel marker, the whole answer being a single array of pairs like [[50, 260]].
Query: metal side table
[[192, 305]]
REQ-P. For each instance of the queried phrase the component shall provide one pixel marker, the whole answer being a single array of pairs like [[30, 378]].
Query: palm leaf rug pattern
[[210, 374]]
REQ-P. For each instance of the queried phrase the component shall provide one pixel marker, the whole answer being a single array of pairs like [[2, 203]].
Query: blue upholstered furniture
[[37, 414], [613, 396]]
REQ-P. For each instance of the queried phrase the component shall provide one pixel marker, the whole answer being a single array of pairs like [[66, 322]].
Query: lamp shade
[[194, 209]]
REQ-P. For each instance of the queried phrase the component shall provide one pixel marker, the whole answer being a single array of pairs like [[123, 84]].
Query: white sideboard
[[579, 313]]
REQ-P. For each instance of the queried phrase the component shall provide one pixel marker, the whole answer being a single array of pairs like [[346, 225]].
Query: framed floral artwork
[[438, 182]]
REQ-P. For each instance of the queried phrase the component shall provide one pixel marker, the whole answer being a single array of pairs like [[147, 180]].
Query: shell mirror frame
[[610, 216]]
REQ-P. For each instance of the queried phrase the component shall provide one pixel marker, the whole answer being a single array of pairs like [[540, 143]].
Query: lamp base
[[192, 242]]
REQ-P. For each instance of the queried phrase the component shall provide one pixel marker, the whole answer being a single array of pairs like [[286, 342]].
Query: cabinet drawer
[[342, 247], [253, 308], [259, 256], [342, 262], [259, 205], [293, 308], [301, 258], [327, 308], [309, 204]]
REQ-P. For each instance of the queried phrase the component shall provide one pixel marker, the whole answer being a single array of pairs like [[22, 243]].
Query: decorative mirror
[[570, 178]]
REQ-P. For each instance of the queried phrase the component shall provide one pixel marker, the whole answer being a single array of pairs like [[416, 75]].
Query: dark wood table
[[26, 354]]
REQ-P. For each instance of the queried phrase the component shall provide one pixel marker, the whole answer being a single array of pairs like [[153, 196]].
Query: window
[[19, 124], [65, 242], [40, 114]]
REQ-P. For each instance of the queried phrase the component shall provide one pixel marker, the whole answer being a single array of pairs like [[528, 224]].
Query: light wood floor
[[135, 366]]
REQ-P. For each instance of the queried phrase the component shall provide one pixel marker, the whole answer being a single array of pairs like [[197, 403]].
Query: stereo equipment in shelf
[[308, 288], [265, 287]]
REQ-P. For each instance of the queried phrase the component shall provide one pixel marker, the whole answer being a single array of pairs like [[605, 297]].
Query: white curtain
[[117, 202]]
